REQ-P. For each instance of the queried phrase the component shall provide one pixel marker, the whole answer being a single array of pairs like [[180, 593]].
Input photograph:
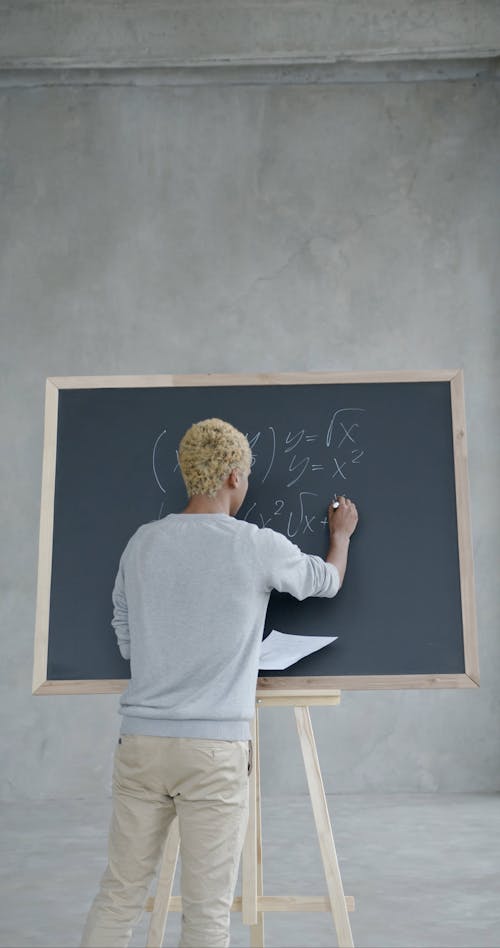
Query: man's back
[[190, 602]]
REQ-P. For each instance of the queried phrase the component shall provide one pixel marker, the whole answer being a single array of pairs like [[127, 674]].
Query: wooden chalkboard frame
[[318, 689]]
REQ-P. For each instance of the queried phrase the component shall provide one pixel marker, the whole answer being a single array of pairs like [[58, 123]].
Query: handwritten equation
[[291, 463]]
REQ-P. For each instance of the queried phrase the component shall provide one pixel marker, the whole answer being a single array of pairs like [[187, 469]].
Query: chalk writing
[[301, 469], [160, 436]]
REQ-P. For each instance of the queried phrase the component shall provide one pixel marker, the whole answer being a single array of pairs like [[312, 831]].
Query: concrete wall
[[198, 32], [242, 226]]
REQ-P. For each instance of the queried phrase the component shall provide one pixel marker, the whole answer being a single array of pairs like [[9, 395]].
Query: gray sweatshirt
[[190, 601]]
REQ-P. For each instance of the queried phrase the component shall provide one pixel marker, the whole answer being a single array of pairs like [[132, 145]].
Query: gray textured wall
[[228, 228], [181, 32]]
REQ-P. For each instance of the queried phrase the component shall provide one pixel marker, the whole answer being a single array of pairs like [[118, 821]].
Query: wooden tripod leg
[[257, 930], [156, 930], [323, 826], [249, 852]]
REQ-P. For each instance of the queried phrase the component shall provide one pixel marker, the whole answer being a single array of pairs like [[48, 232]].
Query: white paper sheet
[[280, 650]]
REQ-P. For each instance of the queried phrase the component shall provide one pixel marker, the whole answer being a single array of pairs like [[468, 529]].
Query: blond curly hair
[[208, 452]]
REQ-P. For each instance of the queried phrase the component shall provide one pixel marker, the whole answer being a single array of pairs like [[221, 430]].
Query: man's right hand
[[342, 521], [344, 518]]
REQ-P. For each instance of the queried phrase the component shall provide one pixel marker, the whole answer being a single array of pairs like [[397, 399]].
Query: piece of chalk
[[335, 504]]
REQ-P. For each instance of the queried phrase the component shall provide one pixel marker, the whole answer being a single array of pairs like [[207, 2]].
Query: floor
[[424, 870]]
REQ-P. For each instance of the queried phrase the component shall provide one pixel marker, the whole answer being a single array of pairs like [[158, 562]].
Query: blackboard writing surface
[[389, 445]]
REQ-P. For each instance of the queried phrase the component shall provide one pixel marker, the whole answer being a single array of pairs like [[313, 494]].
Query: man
[[190, 601]]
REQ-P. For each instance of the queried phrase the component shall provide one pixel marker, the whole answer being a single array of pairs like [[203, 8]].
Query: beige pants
[[203, 782]]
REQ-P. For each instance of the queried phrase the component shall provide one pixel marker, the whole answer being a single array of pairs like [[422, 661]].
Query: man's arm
[[120, 614], [342, 522]]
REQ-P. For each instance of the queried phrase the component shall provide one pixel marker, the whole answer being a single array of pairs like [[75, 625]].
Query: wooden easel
[[253, 903]]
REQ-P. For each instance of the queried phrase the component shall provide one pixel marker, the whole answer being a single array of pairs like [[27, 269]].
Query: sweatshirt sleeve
[[120, 613], [288, 569]]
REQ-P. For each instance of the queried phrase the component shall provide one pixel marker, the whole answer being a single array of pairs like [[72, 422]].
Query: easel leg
[[324, 829], [251, 862], [257, 931], [157, 925]]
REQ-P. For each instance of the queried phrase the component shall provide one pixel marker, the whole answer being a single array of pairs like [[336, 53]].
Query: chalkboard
[[395, 444]]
